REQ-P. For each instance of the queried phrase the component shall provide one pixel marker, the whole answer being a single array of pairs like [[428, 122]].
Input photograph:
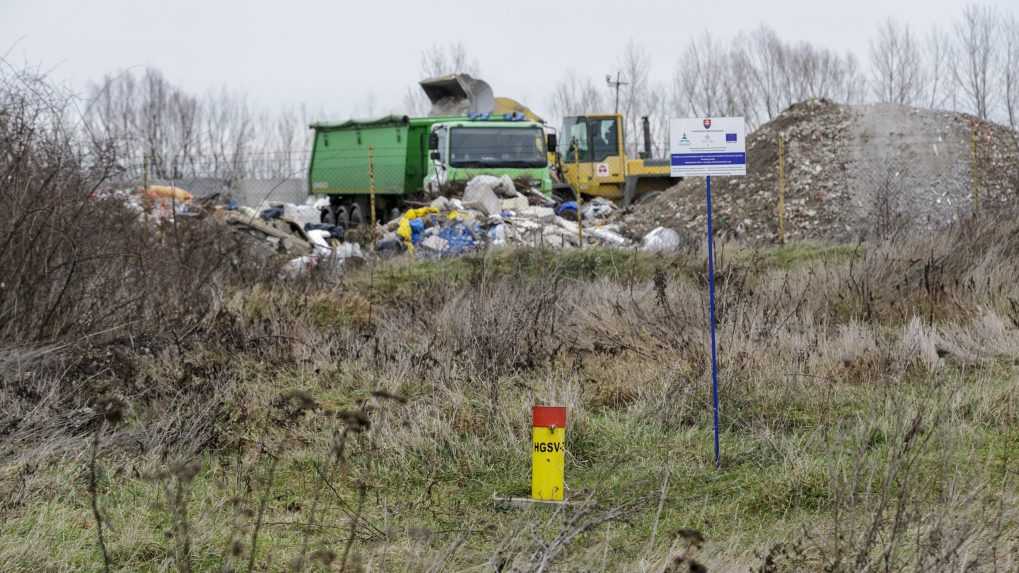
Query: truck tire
[[327, 216], [342, 216]]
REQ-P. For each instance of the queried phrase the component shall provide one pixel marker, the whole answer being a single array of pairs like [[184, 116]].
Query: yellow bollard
[[548, 454]]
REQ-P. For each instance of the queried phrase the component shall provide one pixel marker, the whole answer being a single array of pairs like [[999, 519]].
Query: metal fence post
[[371, 186], [781, 190], [576, 190], [974, 172]]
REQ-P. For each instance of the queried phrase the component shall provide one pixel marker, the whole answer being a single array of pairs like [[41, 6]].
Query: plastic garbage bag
[[335, 231], [660, 240], [567, 210], [479, 195], [301, 214], [497, 235], [417, 227], [348, 251], [459, 237], [404, 229], [598, 208], [435, 243], [319, 238], [271, 213]]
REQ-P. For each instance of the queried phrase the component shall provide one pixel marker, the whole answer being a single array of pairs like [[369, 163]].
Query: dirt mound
[[850, 172]]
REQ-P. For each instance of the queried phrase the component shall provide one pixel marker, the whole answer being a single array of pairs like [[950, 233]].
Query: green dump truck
[[402, 157], [411, 155]]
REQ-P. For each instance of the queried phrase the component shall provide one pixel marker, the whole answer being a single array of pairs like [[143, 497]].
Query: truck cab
[[593, 161], [460, 150]]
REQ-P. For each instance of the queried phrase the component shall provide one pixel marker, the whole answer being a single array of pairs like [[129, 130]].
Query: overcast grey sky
[[341, 57]]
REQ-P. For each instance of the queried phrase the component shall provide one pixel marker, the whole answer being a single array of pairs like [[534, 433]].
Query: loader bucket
[[458, 94]]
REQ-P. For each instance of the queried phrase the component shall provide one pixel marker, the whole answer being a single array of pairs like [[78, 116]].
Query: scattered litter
[[541, 214], [598, 208], [271, 213], [660, 240], [517, 203], [435, 243], [335, 231], [301, 214]]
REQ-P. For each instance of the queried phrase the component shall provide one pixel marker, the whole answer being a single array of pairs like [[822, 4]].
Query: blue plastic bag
[[417, 227], [460, 239], [567, 210]]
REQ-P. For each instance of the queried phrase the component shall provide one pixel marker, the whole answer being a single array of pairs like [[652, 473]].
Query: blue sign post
[[705, 147], [711, 306]]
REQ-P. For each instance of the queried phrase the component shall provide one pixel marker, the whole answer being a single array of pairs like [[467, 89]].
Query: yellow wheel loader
[[592, 160]]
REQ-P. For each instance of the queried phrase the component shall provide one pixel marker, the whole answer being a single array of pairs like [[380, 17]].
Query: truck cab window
[[604, 138], [443, 134], [497, 146], [575, 133]]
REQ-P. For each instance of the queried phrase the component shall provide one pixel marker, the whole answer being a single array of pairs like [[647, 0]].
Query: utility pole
[[615, 84]]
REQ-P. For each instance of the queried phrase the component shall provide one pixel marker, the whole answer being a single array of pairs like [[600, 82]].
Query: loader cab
[[592, 155], [592, 161]]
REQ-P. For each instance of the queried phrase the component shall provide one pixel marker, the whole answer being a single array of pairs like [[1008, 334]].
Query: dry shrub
[[75, 265]]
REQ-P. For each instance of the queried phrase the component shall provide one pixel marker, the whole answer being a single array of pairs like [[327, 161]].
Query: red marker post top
[[548, 416]]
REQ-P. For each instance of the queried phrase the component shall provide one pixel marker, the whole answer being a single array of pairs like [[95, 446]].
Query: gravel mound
[[851, 172]]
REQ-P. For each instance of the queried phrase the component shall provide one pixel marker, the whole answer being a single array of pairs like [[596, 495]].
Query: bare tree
[[814, 72], [763, 57], [449, 59], [854, 82], [635, 98], [574, 95], [1010, 69], [439, 60], [937, 59], [699, 76], [972, 67], [896, 65]]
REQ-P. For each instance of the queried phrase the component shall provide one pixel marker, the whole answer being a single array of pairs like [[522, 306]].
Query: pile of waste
[[851, 172], [492, 212]]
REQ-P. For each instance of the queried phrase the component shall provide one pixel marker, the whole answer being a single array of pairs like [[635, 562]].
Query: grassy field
[[364, 422]]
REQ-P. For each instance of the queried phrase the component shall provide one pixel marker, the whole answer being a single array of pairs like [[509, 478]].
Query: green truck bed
[[399, 146]]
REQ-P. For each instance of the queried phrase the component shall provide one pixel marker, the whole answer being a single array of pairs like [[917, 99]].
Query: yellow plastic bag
[[403, 229]]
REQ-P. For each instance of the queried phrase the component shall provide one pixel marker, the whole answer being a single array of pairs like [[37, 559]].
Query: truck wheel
[[356, 218], [342, 217]]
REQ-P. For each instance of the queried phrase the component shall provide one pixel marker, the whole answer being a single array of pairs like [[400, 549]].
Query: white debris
[[318, 202], [435, 243], [541, 214], [301, 214], [440, 203], [517, 203], [607, 237], [300, 265], [319, 238], [598, 208], [481, 197], [348, 251], [660, 240]]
